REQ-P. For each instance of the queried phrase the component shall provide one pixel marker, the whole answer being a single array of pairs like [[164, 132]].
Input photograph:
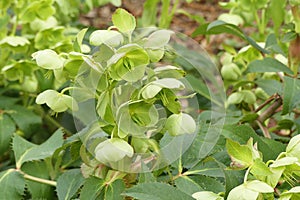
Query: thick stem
[[268, 112]]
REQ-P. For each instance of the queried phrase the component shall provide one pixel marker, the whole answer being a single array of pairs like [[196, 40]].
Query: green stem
[[259, 23], [246, 174], [36, 179], [15, 25], [164, 14], [66, 89]]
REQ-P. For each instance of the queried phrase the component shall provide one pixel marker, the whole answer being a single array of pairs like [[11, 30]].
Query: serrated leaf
[[92, 188], [69, 183], [114, 190], [25, 151], [124, 21], [163, 191], [7, 128], [242, 133], [267, 65], [36, 189], [12, 185]]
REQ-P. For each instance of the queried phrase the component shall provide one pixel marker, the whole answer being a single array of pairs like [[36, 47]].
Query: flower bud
[[231, 72]]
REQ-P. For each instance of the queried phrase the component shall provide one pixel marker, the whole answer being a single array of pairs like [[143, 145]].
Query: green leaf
[[218, 27], [242, 133], [249, 190], [12, 185], [207, 196], [69, 183], [7, 128], [231, 19], [163, 191], [109, 37], [187, 185], [14, 41], [259, 168], [267, 65], [114, 190], [259, 186], [293, 147], [25, 151], [291, 94], [36, 189], [25, 119], [241, 154], [242, 193], [179, 124], [48, 59], [209, 183], [284, 162], [124, 21], [232, 179], [208, 167], [92, 188], [78, 40], [202, 146]]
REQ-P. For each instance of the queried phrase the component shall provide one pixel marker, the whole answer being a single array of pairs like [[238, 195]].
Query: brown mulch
[[208, 9]]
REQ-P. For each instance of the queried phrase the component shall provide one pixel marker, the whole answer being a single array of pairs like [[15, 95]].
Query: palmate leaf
[[26, 151], [69, 183], [156, 191], [12, 185]]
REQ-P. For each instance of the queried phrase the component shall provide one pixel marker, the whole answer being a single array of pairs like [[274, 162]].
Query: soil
[[208, 9]]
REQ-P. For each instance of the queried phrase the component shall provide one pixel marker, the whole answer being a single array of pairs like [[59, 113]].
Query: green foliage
[[249, 151]]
